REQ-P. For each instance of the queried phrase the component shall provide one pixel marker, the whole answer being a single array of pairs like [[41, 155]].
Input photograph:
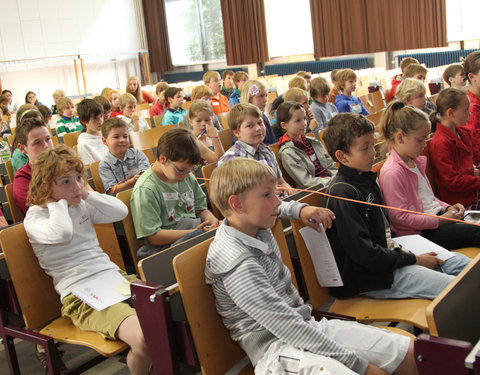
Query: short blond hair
[[249, 90], [207, 77], [297, 82], [161, 86], [238, 113], [198, 92], [304, 74], [199, 106], [343, 76], [414, 69], [127, 99], [59, 93], [295, 95], [63, 104], [236, 177], [406, 62], [239, 76], [409, 88]]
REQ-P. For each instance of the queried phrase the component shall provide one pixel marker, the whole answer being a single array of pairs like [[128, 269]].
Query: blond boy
[[219, 102], [412, 92], [255, 296], [57, 94], [346, 102], [396, 80], [419, 72], [128, 107], [454, 76], [67, 123]]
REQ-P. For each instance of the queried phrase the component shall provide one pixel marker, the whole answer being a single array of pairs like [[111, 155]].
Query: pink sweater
[[399, 185]]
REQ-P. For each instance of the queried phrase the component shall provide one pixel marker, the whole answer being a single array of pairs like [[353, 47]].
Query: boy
[[454, 76], [90, 146], [239, 80], [227, 83], [396, 80], [346, 102], [33, 137], [295, 82], [369, 261], [57, 94], [159, 107], [67, 123], [201, 92], [412, 92], [245, 121], [12, 105], [168, 205], [419, 72], [259, 304], [106, 106], [120, 163], [175, 113], [128, 106], [307, 77], [219, 102], [322, 110], [332, 96]]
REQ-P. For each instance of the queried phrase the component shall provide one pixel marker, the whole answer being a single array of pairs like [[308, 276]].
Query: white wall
[[99, 30]]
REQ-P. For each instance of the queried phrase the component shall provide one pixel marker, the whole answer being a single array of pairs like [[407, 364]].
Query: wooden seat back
[[224, 120], [216, 350], [377, 100], [276, 149], [97, 181], [9, 168], [226, 139], [148, 138], [71, 139], [149, 154], [143, 107], [133, 243], [207, 171], [157, 121], [17, 214], [375, 118]]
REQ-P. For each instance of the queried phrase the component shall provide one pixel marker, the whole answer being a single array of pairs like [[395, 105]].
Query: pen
[[202, 133]]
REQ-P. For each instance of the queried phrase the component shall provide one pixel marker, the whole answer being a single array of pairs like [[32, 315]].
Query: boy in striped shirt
[[255, 296]]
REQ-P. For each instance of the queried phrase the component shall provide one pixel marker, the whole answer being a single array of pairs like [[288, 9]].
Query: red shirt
[[220, 104], [21, 182], [395, 82], [147, 97], [473, 125], [157, 109]]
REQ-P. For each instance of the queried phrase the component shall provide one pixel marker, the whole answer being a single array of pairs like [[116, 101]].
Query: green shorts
[[105, 322]]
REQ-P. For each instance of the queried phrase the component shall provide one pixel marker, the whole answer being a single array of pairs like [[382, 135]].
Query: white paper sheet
[[420, 245], [322, 257], [101, 292], [472, 216]]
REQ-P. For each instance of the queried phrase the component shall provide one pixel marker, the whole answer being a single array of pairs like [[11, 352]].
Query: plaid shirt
[[244, 150]]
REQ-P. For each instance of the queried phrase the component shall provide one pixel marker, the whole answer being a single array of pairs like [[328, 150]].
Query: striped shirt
[[256, 299]]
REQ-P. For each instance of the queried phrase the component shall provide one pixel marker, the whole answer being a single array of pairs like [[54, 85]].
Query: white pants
[[378, 346]]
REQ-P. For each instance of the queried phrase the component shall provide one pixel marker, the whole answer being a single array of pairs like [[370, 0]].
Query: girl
[[134, 88], [60, 200], [472, 72], [200, 121], [159, 107], [452, 155], [255, 92], [404, 184], [114, 98], [304, 159], [31, 98]]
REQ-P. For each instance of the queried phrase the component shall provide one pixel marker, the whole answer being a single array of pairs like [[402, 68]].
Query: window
[[462, 18], [195, 31]]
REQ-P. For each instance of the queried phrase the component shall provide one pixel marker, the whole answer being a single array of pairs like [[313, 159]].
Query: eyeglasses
[[182, 171]]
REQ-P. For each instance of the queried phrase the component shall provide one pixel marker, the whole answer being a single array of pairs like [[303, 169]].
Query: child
[[128, 106], [57, 94], [12, 105], [90, 146], [255, 92], [121, 167], [46, 114], [454, 76], [322, 110], [202, 92], [33, 137], [404, 184], [472, 72], [412, 92], [175, 113], [67, 123], [301, 97], [255, 296], [219, 102], [200, 118], [59, 225], [295, 82], [419, 72], [134, 88], [31, 98], [168, 205], [159, 107], [369, 261], [247, 125], [239, 80], [114, 98], [452, 155], [227, 83], [106, 106], [346, 102], [307, 77], [335, 91], [398, 79], [304, 159]]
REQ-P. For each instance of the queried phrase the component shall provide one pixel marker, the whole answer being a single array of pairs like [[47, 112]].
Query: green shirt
[[156, 204], [68, 126], [18, 160]]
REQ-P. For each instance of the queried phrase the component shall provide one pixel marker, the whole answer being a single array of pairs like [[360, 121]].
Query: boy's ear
[[169, 100], [235, 203], [341, 156], [162, 159], [235, 133], [104, 140], [21, 147]]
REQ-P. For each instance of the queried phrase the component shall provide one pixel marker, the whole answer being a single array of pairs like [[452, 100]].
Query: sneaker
[[42, 357]]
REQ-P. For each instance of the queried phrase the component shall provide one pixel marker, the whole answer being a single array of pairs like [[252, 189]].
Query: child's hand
[[374, 370], [48, 201], [206, 226], [212, 132], [314, 216], [429, 260], [313, 125]]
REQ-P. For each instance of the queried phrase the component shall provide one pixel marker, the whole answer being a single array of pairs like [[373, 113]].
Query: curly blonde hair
[[49, 165]]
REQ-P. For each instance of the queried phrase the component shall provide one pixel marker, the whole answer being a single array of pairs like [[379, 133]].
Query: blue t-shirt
[[350, 104]]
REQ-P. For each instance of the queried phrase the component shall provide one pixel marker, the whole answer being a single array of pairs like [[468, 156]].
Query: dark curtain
[[343, 27], [157, 36], [245, 31]]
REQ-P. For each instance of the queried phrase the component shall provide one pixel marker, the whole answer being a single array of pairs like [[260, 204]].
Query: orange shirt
[[220, 104]]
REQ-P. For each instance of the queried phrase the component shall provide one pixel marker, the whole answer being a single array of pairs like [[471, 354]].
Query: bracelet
[[214, 137]]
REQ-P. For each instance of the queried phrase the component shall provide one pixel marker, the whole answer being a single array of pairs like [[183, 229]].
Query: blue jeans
[[421, 282]]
